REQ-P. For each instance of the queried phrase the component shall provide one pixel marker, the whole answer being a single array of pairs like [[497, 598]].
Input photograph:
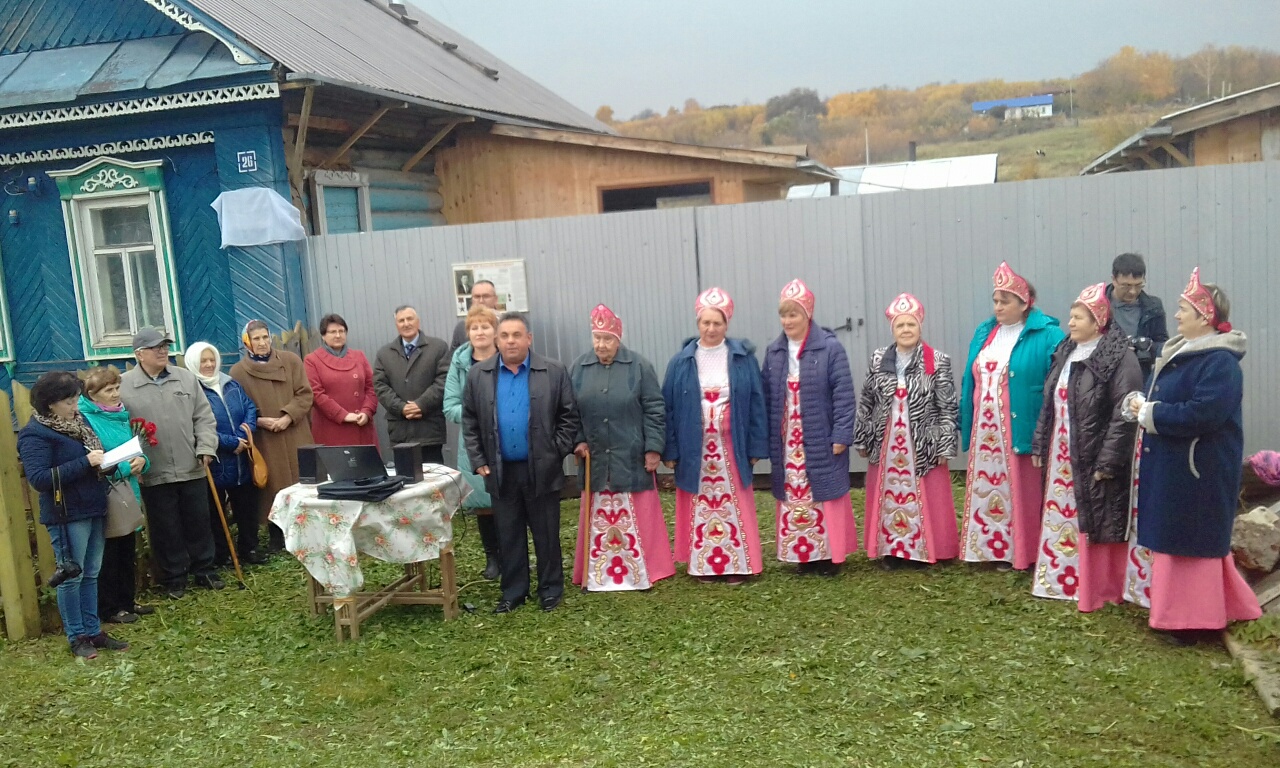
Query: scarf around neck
[[192, 361], [75, 428], [335, 352]]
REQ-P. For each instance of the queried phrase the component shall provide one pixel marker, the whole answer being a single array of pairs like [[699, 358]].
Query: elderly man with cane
[[520, 420], [173, 490]]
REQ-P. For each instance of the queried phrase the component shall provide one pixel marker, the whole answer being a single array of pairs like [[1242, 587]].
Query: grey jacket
[[185, 427], [553, 422], [419, 378], [623, 417]]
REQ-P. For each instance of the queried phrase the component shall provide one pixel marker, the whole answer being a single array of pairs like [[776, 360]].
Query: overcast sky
[[637, 54]]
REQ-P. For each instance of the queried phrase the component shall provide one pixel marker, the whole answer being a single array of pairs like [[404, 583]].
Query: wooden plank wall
[[486, 178], [1235, 141]]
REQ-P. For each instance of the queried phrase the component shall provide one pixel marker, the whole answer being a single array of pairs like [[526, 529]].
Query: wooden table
[[328, 537]]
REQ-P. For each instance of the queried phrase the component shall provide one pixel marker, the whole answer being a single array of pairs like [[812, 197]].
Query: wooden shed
[[506, 172], [1241, 128]]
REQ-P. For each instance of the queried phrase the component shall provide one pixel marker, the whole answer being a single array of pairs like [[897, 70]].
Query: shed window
[[118, 236], [341, 202], [661, 196]]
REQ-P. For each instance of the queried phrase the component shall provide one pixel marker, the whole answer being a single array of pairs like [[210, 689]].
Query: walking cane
[[231, 547], [586, 533]]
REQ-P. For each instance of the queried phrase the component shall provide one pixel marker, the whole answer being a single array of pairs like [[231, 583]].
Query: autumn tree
[[801, 101], [605, 114]]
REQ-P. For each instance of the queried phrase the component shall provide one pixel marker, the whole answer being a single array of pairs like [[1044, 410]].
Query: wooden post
[[17, 572]]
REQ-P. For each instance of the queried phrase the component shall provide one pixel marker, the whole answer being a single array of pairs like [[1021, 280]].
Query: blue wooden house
[[122, 120]]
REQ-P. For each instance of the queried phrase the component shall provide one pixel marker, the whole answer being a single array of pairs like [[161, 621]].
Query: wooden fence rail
[[26, 554]]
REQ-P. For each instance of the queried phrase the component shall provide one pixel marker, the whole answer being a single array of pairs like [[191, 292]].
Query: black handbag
[[369, 489]]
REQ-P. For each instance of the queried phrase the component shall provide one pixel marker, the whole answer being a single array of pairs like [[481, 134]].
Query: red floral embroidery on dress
[[1137, 573], [614, 559], [802, 526], [717, 543], [1059, 551], [901, 526], [986, 533]]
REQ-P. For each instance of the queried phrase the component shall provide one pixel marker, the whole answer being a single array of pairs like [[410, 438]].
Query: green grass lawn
[[946, 667], [1068, 148]]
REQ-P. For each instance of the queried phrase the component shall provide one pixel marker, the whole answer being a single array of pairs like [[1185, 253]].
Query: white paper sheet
[[121, 453]]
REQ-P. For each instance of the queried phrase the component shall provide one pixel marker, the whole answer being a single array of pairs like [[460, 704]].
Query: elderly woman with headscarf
[[1191, 459], [232, 470], [276, 381], [622, 535], [61, 455], [810, 400], [1000, 399], [100, 405], [716, 430], [1086, 447], [907, 428], [341, 382]]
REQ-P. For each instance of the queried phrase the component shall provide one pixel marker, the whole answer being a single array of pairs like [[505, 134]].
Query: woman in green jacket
[[482, 332], [1000, 400], [101, 407]]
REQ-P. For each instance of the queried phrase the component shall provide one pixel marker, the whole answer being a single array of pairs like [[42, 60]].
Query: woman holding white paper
[[117, 581]]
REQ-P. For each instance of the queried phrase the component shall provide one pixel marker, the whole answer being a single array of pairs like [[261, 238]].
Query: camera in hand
[[67, 570], [1141, 344]]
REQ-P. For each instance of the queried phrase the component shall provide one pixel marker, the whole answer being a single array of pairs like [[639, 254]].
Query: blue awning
[[60, 75]]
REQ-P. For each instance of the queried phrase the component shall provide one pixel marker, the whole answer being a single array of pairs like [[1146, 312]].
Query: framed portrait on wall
[[508, 278]]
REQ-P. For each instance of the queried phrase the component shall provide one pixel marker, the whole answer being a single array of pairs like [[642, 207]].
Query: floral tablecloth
[[327, 535]]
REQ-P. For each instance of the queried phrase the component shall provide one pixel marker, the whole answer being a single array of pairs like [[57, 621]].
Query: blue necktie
[[408, 350]]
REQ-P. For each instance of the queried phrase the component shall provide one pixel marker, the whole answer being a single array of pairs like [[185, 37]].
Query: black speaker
[[408, 461], [310, 469]]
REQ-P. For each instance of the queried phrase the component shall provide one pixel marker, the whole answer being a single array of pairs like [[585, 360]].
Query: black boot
[[489, 540]]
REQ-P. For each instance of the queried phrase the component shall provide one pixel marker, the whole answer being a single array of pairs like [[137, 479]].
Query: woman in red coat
[[343, 385]]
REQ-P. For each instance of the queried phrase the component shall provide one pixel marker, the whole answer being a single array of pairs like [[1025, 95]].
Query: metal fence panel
[[856, 252]]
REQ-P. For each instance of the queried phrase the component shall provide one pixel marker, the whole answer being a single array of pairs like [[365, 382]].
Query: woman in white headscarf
[[232, 471]]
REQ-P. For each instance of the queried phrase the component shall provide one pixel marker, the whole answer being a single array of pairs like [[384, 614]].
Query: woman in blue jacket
[[57, 440], [1192, 452], [232, 470], [715, 423], [810, 400], [1000, 399]]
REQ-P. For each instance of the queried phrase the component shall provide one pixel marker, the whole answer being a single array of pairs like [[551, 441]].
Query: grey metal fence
[[857, 253]]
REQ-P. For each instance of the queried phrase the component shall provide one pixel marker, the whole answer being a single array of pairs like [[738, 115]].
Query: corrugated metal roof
[[364, 43], [65, 74], [922, 174], [1021, 101], [36, 25]]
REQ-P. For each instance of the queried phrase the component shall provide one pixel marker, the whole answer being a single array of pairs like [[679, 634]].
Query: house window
[[341, 202], [660, 196], [121, 257]]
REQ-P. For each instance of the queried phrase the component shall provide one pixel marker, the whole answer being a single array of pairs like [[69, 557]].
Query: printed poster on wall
[[508, 280]]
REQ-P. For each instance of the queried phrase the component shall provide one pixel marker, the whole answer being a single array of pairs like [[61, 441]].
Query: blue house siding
[[219, 290]]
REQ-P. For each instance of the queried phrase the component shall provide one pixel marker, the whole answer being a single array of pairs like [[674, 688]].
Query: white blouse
[[713, 365], [1081, 353], [1001, 347], [793, 357]]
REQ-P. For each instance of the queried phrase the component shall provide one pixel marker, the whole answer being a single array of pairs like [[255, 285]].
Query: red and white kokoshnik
[[603, 320]]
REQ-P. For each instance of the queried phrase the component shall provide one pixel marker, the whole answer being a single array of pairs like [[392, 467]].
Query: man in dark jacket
[[520, 420], [1139, 314], [486, 295], [408, 377]]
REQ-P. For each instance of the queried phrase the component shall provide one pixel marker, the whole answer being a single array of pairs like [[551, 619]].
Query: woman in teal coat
[[482, 331], [101, 407], [1000, 399]]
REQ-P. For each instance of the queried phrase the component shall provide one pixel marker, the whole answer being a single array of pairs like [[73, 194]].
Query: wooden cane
[[231, 547], [585, 533]]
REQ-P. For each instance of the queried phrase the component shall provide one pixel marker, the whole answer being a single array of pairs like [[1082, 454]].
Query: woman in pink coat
[[343, 385]]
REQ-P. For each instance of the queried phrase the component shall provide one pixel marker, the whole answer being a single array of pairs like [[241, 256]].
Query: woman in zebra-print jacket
[[907, 427]]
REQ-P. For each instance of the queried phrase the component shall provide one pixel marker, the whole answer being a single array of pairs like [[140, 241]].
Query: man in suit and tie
[[408, 377]]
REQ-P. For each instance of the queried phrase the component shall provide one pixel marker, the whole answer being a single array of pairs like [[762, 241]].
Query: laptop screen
[[352, 462]]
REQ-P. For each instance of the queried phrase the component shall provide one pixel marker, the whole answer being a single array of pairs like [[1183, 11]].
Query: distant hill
[[1092, 113]]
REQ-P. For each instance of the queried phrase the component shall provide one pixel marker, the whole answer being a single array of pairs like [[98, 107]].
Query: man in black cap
[[174, 489]]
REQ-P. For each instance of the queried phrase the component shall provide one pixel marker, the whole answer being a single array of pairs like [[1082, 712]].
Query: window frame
[[7, 352], [101, 184], [347, 179]]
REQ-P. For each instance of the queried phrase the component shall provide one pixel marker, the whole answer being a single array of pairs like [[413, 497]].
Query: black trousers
[[181, 539], [488, 534], [118, 578], [240, 505], [515, 510]]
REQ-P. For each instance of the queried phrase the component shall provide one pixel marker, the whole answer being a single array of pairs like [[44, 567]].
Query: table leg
[[345, 613], [313, 594], [449, 584]]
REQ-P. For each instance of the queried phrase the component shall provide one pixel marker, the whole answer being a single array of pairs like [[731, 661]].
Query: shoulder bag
[[255, 458]]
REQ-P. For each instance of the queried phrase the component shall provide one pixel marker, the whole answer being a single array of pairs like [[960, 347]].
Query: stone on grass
[[1255, 539]]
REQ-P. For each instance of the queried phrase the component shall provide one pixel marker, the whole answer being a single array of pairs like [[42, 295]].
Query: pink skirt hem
[[942, 537], [1102, 569], [1199, 593], [651, 526]]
